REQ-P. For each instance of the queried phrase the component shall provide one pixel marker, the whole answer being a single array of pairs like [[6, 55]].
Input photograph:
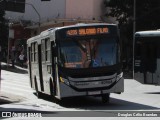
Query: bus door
[[40, 67], [46, 62]]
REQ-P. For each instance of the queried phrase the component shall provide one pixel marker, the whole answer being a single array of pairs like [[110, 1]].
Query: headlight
[[119, 76]]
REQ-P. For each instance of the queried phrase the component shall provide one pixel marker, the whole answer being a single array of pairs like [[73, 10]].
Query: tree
[[147, 12], [3, 30], [147, 18]]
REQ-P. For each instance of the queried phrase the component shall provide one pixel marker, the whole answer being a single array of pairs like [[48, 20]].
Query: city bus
[[147, 57], [76, 60]]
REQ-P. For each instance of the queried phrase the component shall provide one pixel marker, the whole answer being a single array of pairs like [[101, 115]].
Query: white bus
[[77, 60]]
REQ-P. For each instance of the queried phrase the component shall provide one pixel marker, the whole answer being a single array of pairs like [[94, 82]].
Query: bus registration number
[[94, 93]]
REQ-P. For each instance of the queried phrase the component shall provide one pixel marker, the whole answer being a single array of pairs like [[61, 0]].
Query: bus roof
[[76, 25], [84, 24], [52, 30], [150, 33]]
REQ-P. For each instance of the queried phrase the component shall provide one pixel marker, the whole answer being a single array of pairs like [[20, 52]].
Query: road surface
[[137, 97]]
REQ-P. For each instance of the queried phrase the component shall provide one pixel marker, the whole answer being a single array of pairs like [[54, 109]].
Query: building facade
[[51, 13], [62, 9]]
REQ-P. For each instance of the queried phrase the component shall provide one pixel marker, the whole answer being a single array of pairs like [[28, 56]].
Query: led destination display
[[87, 31]]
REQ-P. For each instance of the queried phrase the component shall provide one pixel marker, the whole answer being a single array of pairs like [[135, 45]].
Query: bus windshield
[[88, 53]]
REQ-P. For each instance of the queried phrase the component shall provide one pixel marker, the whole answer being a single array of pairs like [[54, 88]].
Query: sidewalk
[[15, 69], [7, 98]]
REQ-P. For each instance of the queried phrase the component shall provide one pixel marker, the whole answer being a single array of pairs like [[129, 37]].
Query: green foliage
[[147, 18], [121, 9], [147, 13]]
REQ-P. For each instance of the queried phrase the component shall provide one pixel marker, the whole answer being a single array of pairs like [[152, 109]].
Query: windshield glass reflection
[[88, 53]]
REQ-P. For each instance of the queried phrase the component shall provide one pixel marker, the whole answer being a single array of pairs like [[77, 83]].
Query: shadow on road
[[4, 101], [95, 103], [14, 69], [152, 93]]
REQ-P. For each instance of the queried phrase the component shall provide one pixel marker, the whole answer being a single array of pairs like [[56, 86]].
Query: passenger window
[[32, 52], [36, 52], [43, 50], [47, 49]]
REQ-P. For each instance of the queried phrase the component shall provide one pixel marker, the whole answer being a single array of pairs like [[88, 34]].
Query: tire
[[106, 98], [51, 88], [52, 93]]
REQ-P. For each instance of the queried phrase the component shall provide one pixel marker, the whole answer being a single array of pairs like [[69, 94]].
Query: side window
[[47, 49], [36, 52], [43, 50], [138, 48], [32, 52]]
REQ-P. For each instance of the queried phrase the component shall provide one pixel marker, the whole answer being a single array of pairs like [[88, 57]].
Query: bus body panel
[[35, 75], [46, 76], [117, 88], [29, 65], [46, 64]]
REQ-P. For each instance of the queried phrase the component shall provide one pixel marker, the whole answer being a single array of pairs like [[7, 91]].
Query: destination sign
[[87, 31]]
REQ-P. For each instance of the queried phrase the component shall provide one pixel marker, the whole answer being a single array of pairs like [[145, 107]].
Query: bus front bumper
[[68, 91]]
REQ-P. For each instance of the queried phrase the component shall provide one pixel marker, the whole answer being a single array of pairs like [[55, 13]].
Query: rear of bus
[[147, 57]]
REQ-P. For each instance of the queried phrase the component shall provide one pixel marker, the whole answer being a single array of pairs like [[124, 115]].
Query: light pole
[[39, 17], [134, 30], [39, 22]]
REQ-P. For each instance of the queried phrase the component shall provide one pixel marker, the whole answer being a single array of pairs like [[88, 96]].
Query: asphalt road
[[137, 97]]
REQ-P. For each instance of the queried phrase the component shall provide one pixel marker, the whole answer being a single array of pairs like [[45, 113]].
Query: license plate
[[94, 93]]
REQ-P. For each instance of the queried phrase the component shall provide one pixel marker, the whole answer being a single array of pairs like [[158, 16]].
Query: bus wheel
[[105, 98], [52, 91], [51, 88]]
